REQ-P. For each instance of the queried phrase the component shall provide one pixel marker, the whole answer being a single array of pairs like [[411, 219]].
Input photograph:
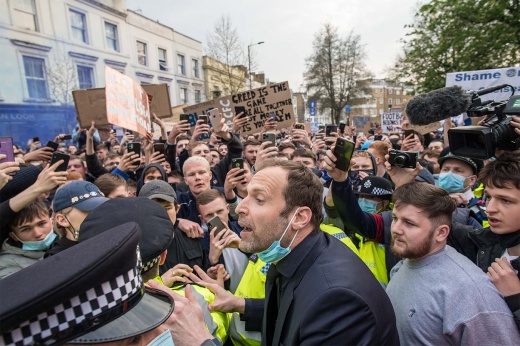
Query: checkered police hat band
[[92, 307], [148, 265]]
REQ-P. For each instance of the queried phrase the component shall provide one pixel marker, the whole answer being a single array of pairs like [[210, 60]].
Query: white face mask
[[165, 339]]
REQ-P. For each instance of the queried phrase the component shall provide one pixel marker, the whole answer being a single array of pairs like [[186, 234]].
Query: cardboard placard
[[259, 103], [424, 129], [91, 104], [391, 122], [127, 102], [362, 123], [160, 104]]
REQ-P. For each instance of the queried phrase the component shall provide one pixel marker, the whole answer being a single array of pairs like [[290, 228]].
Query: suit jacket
[[329, 297]]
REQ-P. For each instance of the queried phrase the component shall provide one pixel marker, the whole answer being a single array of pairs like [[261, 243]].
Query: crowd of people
[[121, 246]]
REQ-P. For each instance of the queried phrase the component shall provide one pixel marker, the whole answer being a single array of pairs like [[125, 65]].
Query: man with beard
[[434, 278], [309, 299]]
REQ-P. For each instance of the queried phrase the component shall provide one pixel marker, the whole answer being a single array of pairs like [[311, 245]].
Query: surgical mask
[[276, 252], [356, 180], [367, 205], [38, 245], [165, 339], [451, 182]]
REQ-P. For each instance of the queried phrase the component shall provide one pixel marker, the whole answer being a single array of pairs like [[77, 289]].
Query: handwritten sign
[[259, 103], [362, 123], [127, 102], [391, 122]]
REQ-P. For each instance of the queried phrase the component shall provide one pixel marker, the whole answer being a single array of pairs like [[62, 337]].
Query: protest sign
[[362, 123], [160, 104], [127, 102], [391, 122], [259, 103]]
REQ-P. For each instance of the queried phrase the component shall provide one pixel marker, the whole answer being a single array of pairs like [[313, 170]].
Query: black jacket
[[185, 250]]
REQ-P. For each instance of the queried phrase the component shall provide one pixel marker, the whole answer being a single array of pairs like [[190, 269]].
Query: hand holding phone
[[57, 156], [214, 117], [238, 110], [343, 151], [6, 148], [238, 163], [269, 137], [217, 224], [134, 147], [158, 147]]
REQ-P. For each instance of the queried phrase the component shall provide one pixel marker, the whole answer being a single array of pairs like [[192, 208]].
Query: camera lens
[[400, 160]]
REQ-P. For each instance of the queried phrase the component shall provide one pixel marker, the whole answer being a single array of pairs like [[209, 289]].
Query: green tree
[[459, 35], [333, 69]]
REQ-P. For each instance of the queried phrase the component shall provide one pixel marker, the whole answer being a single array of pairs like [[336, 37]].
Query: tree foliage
[[459, 35], [224, 45], [333, 69]]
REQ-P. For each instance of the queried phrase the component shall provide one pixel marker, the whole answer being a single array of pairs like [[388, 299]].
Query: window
[[85, 77], [365, 111], [182, 66], [163, 66], [111, 35], [216, 94], [141, 53], [381, 100], [372, 111], [397, 101], [381, 110], [25, 15], [197, 96], [404, 92], [374, 101], [35, 77], [183, 95], [195, 64], [390, 91], [381, 91], [389, 101], [79, 26], [398, 92]]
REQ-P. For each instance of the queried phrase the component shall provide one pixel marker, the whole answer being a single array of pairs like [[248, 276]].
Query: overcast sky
[[288, 27]]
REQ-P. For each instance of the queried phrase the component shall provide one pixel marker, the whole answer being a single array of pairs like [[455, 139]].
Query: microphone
[[438, 105]]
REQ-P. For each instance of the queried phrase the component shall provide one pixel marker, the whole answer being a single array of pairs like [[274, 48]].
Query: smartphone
[[68, 137], [299, 126], [217, 224], [52, 145], [204, 118], [6, 148], [58, 155], [408, 133], [214, 117], [36, 139], [240, 109], [343, 152], [342, 127], [269, 137], [321, 127], [272, 116], [361, 134], [238, 163], [378, 137], [134, 147], [184, 117], [319, 136], [158, 147], [329, 129]]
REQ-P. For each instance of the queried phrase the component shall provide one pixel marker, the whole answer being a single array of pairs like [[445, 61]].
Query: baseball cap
[[96, 295], [79, 194], [375, 186], [158, 189]]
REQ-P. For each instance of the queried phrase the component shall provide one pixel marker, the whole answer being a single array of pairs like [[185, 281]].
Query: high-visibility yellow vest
[[338, 233], [373, 254], [252, 285], [217, 322]]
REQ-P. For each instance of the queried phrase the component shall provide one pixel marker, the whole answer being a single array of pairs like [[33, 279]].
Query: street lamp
[[249, 61]]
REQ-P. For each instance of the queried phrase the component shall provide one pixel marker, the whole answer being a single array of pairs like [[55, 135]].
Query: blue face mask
[[367, 205], [39, 245], [451, 182], [276, 252], [165, 339]]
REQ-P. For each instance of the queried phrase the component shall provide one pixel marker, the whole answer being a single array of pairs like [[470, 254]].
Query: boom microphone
[[438, 105]]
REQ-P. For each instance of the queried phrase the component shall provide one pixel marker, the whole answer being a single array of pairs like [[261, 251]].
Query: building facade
[[380, 97], [222, 79], [50, 48]]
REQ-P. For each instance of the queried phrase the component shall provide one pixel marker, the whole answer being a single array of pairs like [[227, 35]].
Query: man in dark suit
[[318, 292]]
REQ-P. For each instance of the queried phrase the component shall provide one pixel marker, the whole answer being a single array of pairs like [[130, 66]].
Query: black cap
[[152, 218], [375, 186], [92, 291], [466, 160]]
